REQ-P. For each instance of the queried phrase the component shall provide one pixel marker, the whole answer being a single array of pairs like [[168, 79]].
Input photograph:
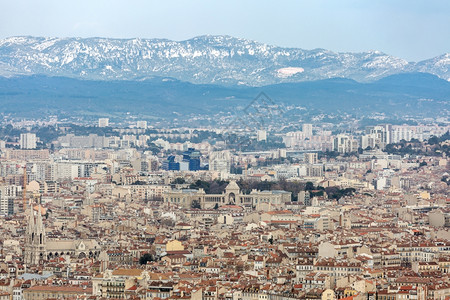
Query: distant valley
[[397, 95]]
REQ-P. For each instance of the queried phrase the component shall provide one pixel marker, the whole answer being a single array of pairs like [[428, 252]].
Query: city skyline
[[137, 166]]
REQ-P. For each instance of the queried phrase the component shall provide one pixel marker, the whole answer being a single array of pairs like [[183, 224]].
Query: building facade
[[261, 200]]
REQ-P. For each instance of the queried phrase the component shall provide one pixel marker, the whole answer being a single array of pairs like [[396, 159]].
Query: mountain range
[[221, 60], [397, 96]]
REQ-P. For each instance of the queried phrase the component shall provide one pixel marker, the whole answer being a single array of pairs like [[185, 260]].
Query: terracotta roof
[[51, 288], [127, 272]]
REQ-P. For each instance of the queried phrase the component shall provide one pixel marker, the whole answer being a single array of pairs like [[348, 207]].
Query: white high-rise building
[[66, 171], [27, 141], [407, 133], [311, 158], [345, 144], [220, 161], [307, 130], [261, 135], [377, 136], [141, 124], [103, 122], [7, 195]]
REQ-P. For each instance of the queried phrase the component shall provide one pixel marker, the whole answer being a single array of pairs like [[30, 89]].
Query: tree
[[316, 193], [199, 184], [309, 186], [139, 182], [235, 170], [146, 258], [217, 187], [196, 204], [337, 193], [216, 206], [155, 149], [433, 140], [179, 180]]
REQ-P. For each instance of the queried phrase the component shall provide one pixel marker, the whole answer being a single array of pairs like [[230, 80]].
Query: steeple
[[40, 227], [35, 239], [30, 227]]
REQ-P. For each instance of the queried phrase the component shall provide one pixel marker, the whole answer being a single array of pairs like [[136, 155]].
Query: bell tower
[[35, 238]]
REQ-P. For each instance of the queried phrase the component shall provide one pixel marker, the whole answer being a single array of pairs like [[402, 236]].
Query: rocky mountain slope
[[206, 59]]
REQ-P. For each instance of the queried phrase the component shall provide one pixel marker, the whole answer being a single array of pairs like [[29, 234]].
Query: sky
[[411, 29]]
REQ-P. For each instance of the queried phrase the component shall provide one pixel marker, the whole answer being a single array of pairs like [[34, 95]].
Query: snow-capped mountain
[[439, 66], [204, 59]]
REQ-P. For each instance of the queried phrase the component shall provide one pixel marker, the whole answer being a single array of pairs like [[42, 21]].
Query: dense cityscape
[[224, 150], [104, 210]]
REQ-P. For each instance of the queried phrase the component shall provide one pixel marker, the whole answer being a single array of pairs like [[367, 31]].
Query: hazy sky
[[411, 29]]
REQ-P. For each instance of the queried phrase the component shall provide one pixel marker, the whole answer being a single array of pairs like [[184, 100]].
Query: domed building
[[259, 200]]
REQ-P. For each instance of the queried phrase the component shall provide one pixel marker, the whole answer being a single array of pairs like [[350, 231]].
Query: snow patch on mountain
[[289, 71]]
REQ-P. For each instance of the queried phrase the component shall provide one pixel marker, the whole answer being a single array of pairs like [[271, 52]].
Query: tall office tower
[[103, 122], [191, 159], [170, 164], [307, 130], [27, 141]]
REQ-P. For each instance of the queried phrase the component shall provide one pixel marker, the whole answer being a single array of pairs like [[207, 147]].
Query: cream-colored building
[[328, 294], [174, 246], [438, 218], [259, 200], [38, 292], [114, 283], [38, 248]]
